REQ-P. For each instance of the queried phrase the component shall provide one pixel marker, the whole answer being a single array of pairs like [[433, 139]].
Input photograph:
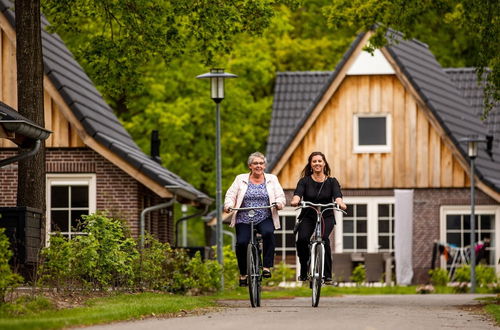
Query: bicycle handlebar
[[252, 208], [333, 206]]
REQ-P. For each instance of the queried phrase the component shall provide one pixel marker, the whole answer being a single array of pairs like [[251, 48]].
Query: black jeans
[[304, 233], [266, 229]]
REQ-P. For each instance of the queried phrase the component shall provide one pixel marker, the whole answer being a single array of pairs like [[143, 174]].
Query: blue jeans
[[266, 229]]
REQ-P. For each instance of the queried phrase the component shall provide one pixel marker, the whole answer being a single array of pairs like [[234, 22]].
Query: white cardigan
[[235, 194]]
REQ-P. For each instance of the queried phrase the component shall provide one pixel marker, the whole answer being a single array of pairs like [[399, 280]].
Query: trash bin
[[23, 227]]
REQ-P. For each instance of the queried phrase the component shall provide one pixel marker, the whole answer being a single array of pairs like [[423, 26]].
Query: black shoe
[[303, 278], [243, 282], [328, 280], [266, 273]]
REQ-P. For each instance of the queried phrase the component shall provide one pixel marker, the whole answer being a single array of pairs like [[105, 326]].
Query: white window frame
[[465, 209], [380, 148], [372, 220], [288, 211], [65, 180]]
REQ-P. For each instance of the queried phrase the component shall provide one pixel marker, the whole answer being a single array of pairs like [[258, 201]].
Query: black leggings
[[305, 231]]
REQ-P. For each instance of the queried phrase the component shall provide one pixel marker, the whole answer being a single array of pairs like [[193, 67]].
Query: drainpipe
[[202, 213], [233, 238], [23, 155], [150, 209]]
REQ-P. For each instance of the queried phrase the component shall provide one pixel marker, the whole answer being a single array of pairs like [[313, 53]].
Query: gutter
[[23, 155]]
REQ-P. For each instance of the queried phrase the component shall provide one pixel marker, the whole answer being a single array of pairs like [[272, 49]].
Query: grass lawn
[[40, 313]]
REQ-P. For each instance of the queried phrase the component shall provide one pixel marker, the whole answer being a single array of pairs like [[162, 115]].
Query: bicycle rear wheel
[[317, 274], [253, 270]]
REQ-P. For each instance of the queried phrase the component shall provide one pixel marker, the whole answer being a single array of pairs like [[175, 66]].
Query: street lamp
[[217, 77], [472, 142]]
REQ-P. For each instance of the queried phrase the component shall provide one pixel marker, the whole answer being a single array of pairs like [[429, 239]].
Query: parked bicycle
[[315, 271], [254, 256]]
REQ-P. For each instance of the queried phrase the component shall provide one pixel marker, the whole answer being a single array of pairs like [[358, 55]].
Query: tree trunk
[[31, 172]]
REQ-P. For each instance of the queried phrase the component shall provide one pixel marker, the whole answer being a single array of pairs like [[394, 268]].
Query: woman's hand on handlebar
[[295, 201], [341, 203]]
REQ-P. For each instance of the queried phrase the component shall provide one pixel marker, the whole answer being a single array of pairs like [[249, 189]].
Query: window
[[386, 227], [355, 228], [68, 198], [368, 225], [456, 229], [372, 133], [285, 239]]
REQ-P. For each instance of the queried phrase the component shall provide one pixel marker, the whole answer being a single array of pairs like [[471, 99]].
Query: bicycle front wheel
[[317, 273], [253, 270]]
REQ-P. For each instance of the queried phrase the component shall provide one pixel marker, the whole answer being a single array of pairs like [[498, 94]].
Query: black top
[[309, 190]]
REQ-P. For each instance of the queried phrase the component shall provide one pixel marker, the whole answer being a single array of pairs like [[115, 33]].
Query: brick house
[[391, 124], [92, 163]]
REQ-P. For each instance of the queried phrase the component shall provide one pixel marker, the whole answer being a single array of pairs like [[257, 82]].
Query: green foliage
[[485, 275], [8, 279], [439, 276], [281, 272], [104, 255], [106, 258], [231, 270], [161, 92], [57, 267], [462, 274], [470, 30], [26, 305], [359, 274]]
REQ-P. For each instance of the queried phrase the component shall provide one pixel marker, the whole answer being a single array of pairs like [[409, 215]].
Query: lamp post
[[472, 142], [217, 77]]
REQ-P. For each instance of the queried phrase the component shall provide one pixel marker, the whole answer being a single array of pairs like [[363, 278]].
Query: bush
[[231, 270], [8, 279], [439, 277], [57, 266], [462, 277], [106, 257], [485, 275], [281, 272], [358, 275]]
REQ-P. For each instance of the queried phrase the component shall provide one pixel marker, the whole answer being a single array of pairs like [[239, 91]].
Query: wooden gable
[[421, 154], [64, 134], [418, 158]]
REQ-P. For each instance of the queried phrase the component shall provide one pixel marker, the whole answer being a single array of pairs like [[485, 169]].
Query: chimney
[[155, 147]]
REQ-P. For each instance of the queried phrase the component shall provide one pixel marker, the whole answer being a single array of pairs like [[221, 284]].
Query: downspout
[[23, 155], [150, 209], [233, 238], [187, 218]]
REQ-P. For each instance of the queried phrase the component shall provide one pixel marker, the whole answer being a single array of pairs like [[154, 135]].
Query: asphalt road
[[401, 312]]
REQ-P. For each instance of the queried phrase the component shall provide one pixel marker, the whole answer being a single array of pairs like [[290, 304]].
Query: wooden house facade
[[390, 122], [92, 163]]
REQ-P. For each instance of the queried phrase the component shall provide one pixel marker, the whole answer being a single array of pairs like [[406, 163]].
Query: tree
[[31, 171], [476, 23]]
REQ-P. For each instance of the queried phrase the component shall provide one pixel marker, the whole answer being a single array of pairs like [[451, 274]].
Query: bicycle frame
[[316, 267], [254, 257]]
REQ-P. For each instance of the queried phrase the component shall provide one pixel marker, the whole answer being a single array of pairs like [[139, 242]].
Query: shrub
[[8, 279], [439, 277], [485, 275], [358, 274], [149, 267], [462, 277], [56, 269], [281, 272], [231, 270], [105, 256]]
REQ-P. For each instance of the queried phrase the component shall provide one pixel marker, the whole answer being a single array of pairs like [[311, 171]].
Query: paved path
[[401, 312]]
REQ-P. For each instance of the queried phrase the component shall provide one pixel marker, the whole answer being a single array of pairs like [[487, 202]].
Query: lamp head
[[216, 76]]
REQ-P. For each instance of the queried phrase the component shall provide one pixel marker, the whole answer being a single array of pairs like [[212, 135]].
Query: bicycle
[[254, 257], [315, 271]]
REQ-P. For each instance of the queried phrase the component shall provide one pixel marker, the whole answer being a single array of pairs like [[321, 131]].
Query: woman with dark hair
[[316, 186]]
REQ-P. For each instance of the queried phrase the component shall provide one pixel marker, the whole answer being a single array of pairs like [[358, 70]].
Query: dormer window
[[372, 133]]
